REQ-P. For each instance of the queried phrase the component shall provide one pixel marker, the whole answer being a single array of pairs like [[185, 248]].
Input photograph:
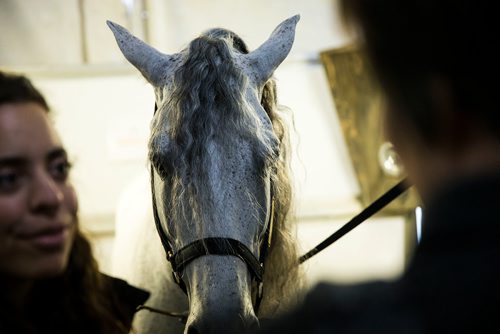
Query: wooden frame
[[359, 107]]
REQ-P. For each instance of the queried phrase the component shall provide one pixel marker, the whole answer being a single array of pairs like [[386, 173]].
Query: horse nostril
[[224, 326], [192, 330], [252, 324]]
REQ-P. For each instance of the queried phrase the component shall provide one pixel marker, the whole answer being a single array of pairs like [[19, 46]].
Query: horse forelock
[[206, 101]]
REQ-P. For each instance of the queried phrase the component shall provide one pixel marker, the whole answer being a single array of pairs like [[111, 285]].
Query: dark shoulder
[[374, 307], [127, 296]]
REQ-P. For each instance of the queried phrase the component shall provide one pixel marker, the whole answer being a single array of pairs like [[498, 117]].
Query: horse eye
[[156, 162], [161, 169]]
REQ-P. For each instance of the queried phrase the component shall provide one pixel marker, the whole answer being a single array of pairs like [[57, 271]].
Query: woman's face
[[37, 203]]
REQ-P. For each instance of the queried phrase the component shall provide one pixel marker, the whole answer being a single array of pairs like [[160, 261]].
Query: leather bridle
[[217, 246]]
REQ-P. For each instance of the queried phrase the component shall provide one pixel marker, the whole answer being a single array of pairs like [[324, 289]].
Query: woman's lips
[[50, 238]]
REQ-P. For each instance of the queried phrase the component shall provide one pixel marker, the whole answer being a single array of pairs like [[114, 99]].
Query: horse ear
[[267, 57], [149, 61]]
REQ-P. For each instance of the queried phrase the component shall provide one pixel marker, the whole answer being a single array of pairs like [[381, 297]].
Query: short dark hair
[[19, 89], [411, 42]]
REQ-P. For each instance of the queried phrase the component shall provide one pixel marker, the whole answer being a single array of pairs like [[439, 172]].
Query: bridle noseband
[[215, 246]]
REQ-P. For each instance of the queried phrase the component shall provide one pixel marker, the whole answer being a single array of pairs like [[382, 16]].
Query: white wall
[[104, 121], [103, 113]]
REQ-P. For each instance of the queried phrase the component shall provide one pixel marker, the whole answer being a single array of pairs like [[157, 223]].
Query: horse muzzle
[[219, 291]]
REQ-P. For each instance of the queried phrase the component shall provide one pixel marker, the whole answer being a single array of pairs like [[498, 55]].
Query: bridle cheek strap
[[216, 246]]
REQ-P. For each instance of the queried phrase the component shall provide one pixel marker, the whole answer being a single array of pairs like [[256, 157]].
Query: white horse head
[[219, 167]]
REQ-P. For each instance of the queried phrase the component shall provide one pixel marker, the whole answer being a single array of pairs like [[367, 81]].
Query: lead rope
[[369, 211], [182, 316]]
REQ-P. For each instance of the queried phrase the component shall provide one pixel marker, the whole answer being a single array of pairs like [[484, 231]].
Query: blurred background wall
[[103, 106]]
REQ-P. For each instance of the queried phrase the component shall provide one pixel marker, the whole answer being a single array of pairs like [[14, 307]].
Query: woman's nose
[[47, 194]]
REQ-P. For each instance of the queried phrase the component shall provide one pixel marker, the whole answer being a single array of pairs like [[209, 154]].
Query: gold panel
[[359, 106]]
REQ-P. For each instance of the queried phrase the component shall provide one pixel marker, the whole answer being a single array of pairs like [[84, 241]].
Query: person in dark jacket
[[49, 279], [437, 62]]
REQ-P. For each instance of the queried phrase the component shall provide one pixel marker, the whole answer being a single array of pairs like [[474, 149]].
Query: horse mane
[[283, 277], [207, 95]]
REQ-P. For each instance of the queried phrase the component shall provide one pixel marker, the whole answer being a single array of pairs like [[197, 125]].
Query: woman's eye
[[60, 169], [8, 181]]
